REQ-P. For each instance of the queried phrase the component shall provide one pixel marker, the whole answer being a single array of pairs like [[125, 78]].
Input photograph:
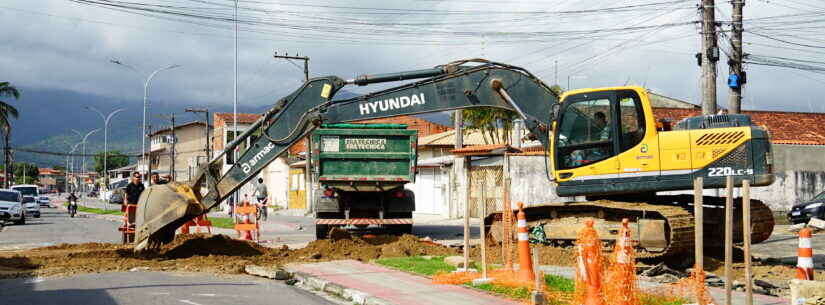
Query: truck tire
[[402, 229], [321, 231]]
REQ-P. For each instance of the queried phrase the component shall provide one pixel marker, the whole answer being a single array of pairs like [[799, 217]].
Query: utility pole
[[173, 152], [205, 128], [737, 77], [304, 58], [308, 168], [556, 66], [709, 56]]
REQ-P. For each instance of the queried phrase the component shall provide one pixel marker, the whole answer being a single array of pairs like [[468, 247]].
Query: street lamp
[[83, 168], [145, 98], [70, 167], [105, 142]]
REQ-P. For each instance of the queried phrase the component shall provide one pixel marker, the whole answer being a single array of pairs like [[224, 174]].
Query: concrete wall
[[529, 183], [799, 157], [276, 178]]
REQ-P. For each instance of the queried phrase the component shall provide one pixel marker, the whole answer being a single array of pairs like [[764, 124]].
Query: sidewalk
[[379, 285]]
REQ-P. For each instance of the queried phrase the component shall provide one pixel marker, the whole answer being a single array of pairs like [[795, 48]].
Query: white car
[[32, 207], [11, 206], [44, 201]]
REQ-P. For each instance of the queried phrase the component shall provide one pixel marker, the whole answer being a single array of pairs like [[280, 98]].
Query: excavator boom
[[457, 85]]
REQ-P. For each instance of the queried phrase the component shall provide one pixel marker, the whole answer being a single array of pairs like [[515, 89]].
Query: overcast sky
[[66, 45]]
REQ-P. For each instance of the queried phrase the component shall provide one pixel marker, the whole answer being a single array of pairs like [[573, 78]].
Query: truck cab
[[30, 194]]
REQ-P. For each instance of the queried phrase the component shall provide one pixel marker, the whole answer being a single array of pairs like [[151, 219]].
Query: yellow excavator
[[603, 144]]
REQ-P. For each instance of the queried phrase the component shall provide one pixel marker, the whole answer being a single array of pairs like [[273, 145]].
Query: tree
[[116, 159], [25, 173], [494, 124], [6, 111]]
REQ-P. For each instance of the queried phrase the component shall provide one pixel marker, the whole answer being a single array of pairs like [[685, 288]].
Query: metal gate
[[486, 182]]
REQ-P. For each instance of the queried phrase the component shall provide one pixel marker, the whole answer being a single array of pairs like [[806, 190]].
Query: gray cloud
[[72, 51]]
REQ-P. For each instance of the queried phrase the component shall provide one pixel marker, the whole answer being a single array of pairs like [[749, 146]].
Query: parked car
[[117, 196], [32, 207], [44, 201], [803, 212], [11, 206]]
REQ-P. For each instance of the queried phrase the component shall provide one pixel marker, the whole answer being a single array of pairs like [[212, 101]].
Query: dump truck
[[604, 144], [362, 170]]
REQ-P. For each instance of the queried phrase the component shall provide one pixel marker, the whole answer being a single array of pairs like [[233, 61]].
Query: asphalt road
[[55, 227], [124, 288]]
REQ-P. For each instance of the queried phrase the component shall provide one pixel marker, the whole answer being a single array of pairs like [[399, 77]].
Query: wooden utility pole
[[709, 56], [746, 234], [698, 217], [729, 241], [296, 57], [737, 76]]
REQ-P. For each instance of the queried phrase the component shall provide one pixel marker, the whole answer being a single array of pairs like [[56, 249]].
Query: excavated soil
[[205, 253]]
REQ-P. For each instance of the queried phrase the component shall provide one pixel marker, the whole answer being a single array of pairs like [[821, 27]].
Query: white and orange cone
[[525, 262], [805, 259]]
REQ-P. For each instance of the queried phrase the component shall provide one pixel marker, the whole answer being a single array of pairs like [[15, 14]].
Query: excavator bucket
[[161, 210]]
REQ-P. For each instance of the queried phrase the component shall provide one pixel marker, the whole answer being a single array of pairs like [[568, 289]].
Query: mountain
[[48, 116]]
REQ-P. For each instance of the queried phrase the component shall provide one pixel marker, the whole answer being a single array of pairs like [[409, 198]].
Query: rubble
[[204, 253]]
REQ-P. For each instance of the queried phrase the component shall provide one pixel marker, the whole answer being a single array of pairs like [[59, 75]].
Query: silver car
[[11, 206], [44, 201]]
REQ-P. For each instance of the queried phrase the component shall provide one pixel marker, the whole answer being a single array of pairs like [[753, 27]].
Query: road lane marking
[[189, 302]]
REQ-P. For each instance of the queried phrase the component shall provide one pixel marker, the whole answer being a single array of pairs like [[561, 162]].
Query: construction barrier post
[[622, 274], [483, 233], [525, 264], [746, 239], [805, 259], [729, 241], [537, 296], [588, 267], [507, 230], [247, 225]]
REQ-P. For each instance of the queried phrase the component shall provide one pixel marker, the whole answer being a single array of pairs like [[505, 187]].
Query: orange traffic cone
[[589, 267], [622, 273], [805, 260], [525, 272]]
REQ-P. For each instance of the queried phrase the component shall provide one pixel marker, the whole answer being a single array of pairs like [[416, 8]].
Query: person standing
[[261, 195], [133, 191]]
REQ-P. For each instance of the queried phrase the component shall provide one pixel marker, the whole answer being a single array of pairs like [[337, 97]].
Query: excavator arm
[[457, 85]]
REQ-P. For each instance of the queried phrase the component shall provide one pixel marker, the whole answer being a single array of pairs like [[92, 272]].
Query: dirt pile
[[205, 253]]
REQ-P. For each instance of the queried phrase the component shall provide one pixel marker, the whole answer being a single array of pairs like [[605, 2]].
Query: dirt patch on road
[[204, 253]]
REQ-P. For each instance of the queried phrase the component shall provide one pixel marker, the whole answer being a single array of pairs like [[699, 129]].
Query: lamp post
[[70, 166], [145, 98], [106, 119], [83, 167]]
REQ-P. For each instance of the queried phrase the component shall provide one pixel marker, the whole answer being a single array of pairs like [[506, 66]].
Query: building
[[224, 134], [189, 150], [50, 179]]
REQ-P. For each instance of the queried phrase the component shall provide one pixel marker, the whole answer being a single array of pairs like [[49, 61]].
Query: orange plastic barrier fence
[[588, 267]]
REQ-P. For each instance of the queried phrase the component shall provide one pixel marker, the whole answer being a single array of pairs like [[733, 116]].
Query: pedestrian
[[261, 195], [133, 191]]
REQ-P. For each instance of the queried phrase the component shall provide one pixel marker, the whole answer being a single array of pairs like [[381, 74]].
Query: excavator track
[[675, 210]]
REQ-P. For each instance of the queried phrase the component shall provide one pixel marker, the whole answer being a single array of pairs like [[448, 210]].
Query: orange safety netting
[[588, 267], [455, 278], [507, 235], [621, 275], [692, 289]]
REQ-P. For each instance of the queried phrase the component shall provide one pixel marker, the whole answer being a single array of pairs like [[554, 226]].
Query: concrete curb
[[349, 294]]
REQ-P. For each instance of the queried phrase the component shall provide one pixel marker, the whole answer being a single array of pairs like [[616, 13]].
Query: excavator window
[[633, 121], [585, 134]]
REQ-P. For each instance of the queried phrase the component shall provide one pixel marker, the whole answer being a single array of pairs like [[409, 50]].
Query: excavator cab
[[601, 134]]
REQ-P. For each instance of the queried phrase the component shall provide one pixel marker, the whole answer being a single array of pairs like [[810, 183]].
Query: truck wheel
[[321, 231]]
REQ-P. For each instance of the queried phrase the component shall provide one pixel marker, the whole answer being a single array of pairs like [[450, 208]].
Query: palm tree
[[7, 110]]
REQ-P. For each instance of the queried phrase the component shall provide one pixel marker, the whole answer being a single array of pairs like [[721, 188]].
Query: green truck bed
[[357, 156]]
